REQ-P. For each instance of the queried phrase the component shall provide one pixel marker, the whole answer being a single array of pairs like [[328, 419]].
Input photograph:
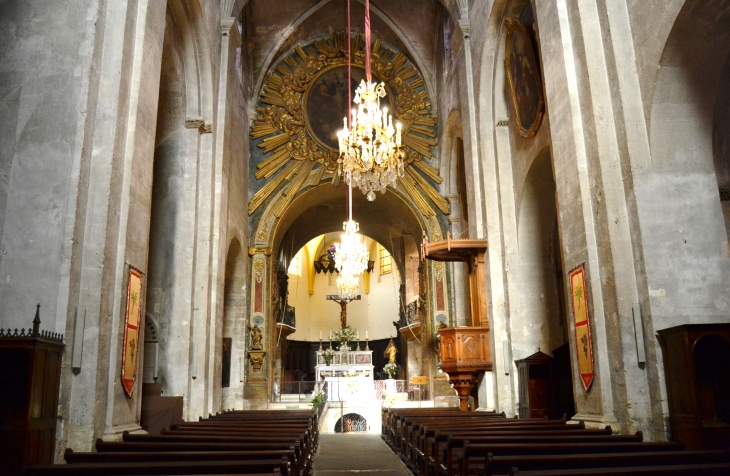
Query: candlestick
[[366, 335]]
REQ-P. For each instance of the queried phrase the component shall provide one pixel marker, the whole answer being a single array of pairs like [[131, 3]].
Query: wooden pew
[[392, 418], [398, 420], [411, 428], [713, 469], [430, 436], [256, 442], [301, 465], [73, 457], [269, 467], [453, 452], [501, 465], [436, 441], [242, 442], [475, 455]]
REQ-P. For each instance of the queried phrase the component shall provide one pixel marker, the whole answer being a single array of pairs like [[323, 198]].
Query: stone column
[[231, 397], [131, 244], [597, 231]]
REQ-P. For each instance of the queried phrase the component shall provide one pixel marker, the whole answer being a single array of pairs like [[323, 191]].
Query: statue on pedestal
[[390, 352]]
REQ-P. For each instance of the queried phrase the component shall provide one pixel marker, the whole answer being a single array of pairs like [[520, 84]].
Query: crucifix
[[343, 305]]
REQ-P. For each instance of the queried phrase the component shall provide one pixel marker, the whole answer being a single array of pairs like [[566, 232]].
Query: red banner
[[131, 330], [583, 342]]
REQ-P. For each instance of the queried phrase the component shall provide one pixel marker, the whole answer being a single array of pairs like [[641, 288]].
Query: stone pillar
[[231, 397], [587, 154], [135, 204], [471, 137]]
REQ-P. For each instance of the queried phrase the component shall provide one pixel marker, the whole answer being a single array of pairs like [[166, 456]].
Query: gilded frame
[[525, 84]]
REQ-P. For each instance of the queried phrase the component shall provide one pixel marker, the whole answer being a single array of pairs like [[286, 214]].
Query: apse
[[310, 282]]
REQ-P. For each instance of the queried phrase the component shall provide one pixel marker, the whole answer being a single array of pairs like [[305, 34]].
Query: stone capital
[[229, 28], [465, 26], [200, 124]]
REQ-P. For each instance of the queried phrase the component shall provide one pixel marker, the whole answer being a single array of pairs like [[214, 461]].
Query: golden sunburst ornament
[[301, 110]]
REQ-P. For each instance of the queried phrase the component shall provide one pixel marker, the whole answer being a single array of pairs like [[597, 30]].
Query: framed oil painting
[[523, 78], [326, 103], [583, 342], [132, 319]]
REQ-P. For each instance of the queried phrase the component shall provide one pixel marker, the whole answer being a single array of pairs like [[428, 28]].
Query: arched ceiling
[[321, 210], [278, 25]]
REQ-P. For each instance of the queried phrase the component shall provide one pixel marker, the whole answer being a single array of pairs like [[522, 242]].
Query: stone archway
[[234, 329], [685, 173], [390, 219]]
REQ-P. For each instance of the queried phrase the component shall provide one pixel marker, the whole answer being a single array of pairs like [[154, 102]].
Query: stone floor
[[345, 454]]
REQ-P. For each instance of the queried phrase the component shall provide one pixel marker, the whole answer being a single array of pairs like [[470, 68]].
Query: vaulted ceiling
[[276, 26]]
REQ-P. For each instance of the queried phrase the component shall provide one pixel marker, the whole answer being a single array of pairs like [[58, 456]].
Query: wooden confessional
[[697, 371], [30, 373]]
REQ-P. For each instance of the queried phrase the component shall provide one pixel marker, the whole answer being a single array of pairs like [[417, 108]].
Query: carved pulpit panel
[[464, 349], [464, 352]]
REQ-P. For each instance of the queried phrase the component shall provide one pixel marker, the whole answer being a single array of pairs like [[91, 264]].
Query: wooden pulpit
[[464, 352]]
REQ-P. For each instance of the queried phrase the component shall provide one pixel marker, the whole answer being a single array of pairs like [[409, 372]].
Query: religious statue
[[343, 306], [257, 336], [390, 352]]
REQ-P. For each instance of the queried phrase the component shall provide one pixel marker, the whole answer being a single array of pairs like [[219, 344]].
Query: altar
[[348, 377]]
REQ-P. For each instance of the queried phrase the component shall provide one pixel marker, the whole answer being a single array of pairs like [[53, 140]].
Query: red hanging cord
[[349, 104], [367, 41], [349, 66]]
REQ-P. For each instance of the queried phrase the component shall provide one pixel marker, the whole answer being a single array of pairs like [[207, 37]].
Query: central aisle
[[341, 454]]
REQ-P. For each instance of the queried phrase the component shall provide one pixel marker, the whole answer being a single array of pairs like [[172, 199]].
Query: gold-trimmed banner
[[132, 320], [583, 342]]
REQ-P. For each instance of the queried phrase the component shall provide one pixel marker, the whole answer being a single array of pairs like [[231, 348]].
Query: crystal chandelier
[[351, 259], [347, 286], [371, 152]]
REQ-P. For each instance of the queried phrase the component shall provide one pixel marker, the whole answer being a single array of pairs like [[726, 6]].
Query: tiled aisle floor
[[349, 454]]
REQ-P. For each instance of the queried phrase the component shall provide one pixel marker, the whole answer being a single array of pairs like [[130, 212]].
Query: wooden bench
[[475, 455], [394, 419], [435, 447], [270, 442], [501, 465], [435, 442], [429, 438], [453, 452], [269, 467], [73, 457], [711, 469]]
